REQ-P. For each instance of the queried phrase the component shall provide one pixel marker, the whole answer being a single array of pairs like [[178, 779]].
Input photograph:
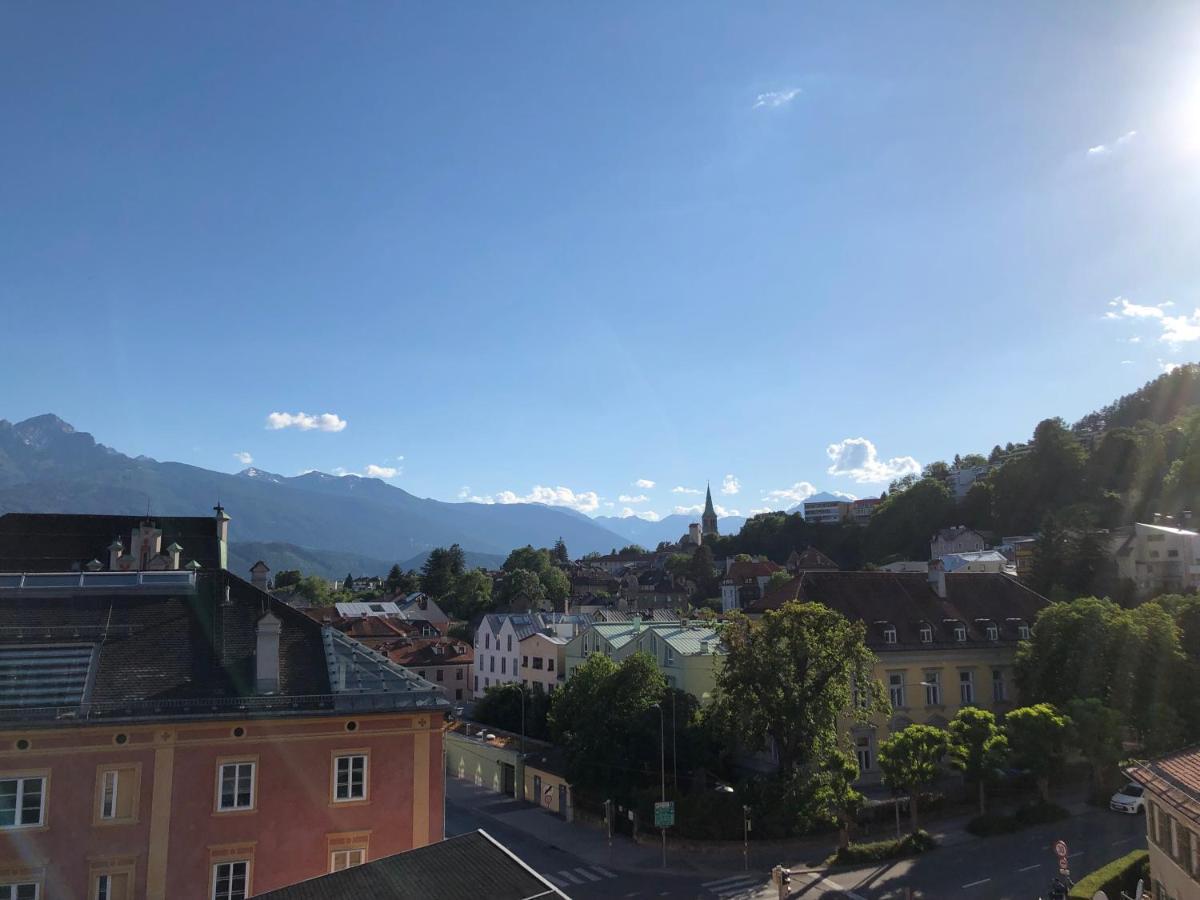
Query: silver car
[[1128, 800]]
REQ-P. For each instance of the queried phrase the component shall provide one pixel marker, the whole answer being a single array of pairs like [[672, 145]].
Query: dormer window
[[889, 634], [1023, 631], [993, 632], [960, 632], [926, 634]]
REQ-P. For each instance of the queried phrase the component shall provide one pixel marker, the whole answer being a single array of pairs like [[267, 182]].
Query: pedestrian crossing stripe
[[729, 882], [567, 877]]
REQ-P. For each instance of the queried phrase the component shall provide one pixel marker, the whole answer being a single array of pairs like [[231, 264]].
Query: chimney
[[258, 575], [266, 654], [637, 623], [694, 533], [173, 553], [114, 553], [937, 577], [222, 534]]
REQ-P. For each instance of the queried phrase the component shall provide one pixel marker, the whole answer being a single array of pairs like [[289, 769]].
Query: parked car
[[1128, 800]]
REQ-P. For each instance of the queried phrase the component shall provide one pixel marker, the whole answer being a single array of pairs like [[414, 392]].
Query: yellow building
[[941, 641], [1172, 801]]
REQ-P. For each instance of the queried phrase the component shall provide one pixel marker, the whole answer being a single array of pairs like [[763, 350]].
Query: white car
[[1128, 800]]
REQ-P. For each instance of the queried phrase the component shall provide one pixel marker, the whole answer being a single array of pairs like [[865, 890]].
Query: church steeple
[[708, 521]]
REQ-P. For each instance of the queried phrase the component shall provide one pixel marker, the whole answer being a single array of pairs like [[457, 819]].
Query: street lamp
[[662, 743], [726, 789]]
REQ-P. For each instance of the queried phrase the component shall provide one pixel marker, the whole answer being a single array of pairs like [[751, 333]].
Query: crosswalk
[[734, 886], [580, 875]]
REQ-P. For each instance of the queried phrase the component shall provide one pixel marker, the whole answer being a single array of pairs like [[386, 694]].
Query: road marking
[[588, 875], [833, 885], [603, 871], [721, 882], [558, 881], [1122, 841], [1075, 854], [977, 883], [1030, 868], [736, 890], [571, 878]]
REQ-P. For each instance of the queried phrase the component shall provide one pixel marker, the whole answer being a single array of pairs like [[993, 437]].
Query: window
[[1172, 553], [22, 891], [112, 885], [230, 880], [926, 634], [933, 689], [550, 664], [896, 689], [458, 674], [668, 656], [960, 632], [537, 662], [1023, 631], [993, 633], [22, 802], [441, 674], [503, 665], [889, 634], [487, 642], [862, 749], [350, 777], [493, 663], [510, 643], [966, 688], [458, 693], [487, 683], [998, 693], [345, 859], [524, 662], [477, 684], [117, 794], [236, 788]]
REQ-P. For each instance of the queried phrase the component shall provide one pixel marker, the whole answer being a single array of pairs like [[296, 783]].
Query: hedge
[[1119, 875], [909, 845]]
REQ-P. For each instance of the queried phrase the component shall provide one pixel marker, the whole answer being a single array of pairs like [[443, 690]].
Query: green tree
[[1049, 557], [470, 595], [1038, 735], [1096, 733], [559, 553], [441, 569], [909, 760], [315, 590], [902, 524], [394, 580], [348, 584], [786, 679], [516, 708], [939, 470], [977, 748], [777, 578], [556, 586], [527, 558], [521, 590], [286, 578]]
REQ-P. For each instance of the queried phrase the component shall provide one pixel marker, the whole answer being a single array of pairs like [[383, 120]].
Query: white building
[[498, 639], [1158, 559], [978, 561], [826, 508], [957, 539], [960, 480]]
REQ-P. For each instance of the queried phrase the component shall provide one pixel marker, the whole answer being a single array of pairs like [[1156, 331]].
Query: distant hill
[[48, 466], [330, 564], [473, 560], [1159, 401], [669, 528]]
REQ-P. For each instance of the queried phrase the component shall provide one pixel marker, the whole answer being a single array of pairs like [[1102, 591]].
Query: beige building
[[543, 661], [1172, 795], [1158, 559]]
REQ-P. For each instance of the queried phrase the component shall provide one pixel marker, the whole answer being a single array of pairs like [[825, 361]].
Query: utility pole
[[746, 838], [608, 813], [662, 743], [674, 754]]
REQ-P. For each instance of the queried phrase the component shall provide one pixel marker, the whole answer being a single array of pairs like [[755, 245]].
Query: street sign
[[664, 814], [1060, 849]]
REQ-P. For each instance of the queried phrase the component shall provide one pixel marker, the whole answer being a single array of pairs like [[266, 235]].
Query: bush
[[1039, 814], [909, 845], [993, 823], [1119, 875]]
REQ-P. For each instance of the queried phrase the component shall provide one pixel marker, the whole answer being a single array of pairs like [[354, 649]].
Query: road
[[1009, 867]]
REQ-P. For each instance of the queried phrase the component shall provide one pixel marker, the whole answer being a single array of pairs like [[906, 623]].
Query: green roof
[[687, 639]]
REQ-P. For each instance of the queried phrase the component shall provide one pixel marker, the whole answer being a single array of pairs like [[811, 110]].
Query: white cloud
[[583, 501], [1111, 147], [464, 492], [374, 471], [1168, 367], [697, 509], [243, 457], [730, 485], [686, 490], [1176, 330], [1135, 340], [774, 99], [759, 510], [1127, 362], [645, 514], [305, 422], [640, 498], [797, 493], [857, 458], [644, 483]]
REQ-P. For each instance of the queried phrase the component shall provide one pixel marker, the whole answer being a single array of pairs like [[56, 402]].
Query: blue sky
[[546, 251]]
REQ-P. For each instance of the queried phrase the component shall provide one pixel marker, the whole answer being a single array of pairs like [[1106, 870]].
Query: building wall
[[495, 662], [482, 762], [1174, 845], [545, 660], [546, 790], [176, 835], [453, 681]]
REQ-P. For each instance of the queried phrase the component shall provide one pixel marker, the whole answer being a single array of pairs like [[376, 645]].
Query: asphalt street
[[1009, 867]]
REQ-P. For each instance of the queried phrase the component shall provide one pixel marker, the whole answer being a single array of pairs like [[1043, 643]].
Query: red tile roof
[[741, 570], [423, 652], [1174, 779]]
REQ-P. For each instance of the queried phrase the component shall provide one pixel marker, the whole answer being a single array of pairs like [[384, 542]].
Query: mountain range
[[319, 523]]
